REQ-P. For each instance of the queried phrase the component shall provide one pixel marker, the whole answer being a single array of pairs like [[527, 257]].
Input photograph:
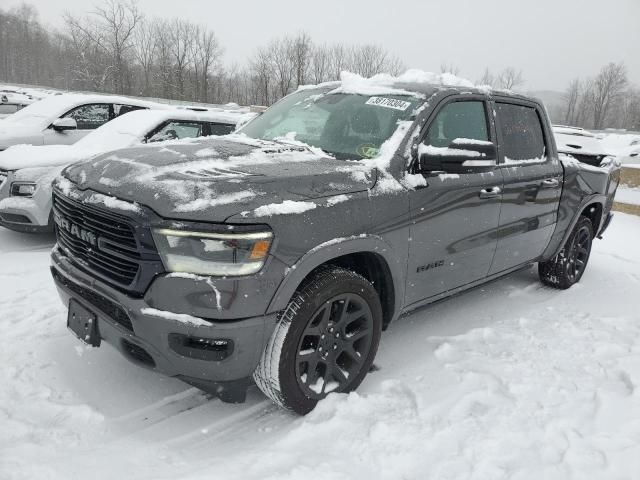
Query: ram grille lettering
[[77, 231]]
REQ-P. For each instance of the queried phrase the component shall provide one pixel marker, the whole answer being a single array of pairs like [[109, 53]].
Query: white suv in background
[[25, 193], [65, 119]]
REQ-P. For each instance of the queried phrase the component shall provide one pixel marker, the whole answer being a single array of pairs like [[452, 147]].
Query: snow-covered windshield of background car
[[348, 126]]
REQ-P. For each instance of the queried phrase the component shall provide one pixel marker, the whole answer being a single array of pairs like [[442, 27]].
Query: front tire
[[325, 340], [567, 268]]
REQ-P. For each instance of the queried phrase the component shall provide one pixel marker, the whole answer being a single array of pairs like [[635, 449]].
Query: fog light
[[201, 348], [23, 189]]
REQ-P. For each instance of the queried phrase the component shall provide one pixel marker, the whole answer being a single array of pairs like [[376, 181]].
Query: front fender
[[333, 249]]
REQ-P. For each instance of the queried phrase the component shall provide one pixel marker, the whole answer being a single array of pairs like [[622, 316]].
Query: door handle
[[550, 183], [490, 192]]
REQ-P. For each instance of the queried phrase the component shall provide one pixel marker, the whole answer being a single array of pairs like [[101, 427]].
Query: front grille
[[115, 257], [114, 311]]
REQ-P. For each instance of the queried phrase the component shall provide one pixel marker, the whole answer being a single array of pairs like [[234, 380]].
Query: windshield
[[348, 126]]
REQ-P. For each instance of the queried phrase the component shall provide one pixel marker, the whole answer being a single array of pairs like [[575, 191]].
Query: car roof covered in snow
[[53, 106], [124, 131]]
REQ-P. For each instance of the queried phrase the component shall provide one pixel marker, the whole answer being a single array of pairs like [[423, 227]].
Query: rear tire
[[567, 268], [325, 340]]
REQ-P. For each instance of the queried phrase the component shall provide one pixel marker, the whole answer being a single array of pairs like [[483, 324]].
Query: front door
[[455, 216], [88, 118]]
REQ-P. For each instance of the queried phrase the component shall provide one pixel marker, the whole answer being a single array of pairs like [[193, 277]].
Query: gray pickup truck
[[279, 255]]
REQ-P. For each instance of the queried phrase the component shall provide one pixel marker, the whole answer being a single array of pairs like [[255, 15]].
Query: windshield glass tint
[[344, 125]]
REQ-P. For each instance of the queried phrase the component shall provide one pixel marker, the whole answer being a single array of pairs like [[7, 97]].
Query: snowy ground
[[626, 194], [511, 380]]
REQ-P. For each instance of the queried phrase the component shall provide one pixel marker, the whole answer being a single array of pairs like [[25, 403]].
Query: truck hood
[[215, 178]]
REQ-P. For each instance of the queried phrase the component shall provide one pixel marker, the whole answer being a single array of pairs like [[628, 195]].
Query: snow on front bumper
[[32, 211]]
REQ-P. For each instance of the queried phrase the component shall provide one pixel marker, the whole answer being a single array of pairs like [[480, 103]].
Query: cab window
[[465, 119], [90, 117], [220, 128], [176, 130], [521, 132]]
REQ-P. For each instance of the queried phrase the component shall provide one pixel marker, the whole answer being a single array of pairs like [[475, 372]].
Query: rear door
[[454, 216], [532, 177]]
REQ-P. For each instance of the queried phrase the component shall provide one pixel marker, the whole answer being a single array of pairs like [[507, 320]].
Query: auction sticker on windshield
[[389, 103]]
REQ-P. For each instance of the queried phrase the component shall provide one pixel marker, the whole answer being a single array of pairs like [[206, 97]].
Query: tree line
[[606, 100], [117, 49]]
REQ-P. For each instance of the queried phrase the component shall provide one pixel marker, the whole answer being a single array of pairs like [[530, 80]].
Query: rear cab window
[[220, 128], [521, 134]]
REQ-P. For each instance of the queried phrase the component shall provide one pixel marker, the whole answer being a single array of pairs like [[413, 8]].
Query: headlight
[[219, 254], [23, 189]]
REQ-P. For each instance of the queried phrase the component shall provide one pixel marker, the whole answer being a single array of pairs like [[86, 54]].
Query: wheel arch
[[590, 206], [368, 256]]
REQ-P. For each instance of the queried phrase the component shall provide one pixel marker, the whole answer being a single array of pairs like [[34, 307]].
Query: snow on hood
[[214, 178]]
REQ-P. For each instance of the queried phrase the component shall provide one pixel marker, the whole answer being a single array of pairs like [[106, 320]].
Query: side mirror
[[462, 155], [66, 123]]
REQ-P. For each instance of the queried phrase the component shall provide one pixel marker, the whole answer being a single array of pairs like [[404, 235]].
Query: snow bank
[[541, 384]]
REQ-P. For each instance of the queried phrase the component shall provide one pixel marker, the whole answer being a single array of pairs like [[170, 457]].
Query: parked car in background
[[630, 154], [65, 119], [26, 171], [580, 144], [11, 102], [282, 252]]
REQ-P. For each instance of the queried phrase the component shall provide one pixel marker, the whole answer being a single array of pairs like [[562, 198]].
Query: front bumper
[[26, 214], [150, 340]]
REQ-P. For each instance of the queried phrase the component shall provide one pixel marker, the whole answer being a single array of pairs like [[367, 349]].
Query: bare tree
[[144, 48], [510, 78], [449, 68], [301, 55], [608, 86], [280, 52], [118, 20], [571, 98], [182, 36], [487, 79], [339, 60], [91, 65], [367, 60], [320, 62]]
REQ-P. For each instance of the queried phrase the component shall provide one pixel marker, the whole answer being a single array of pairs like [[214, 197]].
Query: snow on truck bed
[[510, 380]]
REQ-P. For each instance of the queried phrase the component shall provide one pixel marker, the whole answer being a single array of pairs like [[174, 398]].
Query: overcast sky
[[552, 41]]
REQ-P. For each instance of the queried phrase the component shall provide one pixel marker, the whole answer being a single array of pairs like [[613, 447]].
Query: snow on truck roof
[[413, 82]]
